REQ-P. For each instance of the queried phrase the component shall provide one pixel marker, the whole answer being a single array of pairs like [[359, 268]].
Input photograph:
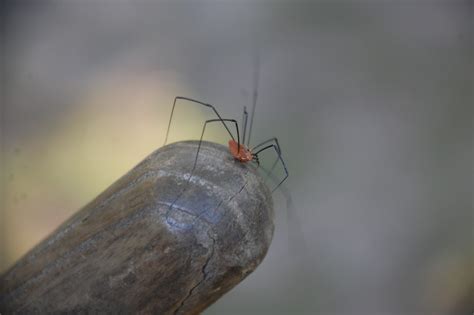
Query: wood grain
[[157, 241]]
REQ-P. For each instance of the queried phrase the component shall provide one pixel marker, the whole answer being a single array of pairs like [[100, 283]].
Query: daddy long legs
[[240, 150]]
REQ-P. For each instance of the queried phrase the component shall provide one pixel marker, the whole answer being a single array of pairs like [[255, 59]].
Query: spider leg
[[256, 159], [279, 158], [278, 147], [204, 129], [256, 76], [245, 117], [268, 141], [200, 103], [197, 155]]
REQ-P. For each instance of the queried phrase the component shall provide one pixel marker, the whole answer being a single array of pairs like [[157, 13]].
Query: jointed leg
[[204, 129], [197, 102], [197, 154], [279, 158], [256, 159], [277, 147], [268, 141], [245, 118]]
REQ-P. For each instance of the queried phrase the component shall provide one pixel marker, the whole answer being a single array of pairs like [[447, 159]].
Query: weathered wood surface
[[153, 242]]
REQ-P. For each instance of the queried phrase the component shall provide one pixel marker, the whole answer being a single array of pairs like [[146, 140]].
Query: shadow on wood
[[156, 241]]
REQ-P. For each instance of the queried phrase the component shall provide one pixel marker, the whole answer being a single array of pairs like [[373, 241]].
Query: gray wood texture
[[156, 241]]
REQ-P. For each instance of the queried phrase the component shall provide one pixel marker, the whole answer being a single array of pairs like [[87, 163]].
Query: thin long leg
[[197, 155], [268, 141], [255, 93], [256, 159], [197, 102], [277, 145], [298, 245], [204, 129], [280, 158], [245, 118]]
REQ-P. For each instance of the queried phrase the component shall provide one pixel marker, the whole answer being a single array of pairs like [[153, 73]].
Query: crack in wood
[[205, 274]]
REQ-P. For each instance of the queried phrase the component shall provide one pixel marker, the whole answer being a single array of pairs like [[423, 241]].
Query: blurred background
[[372, 102]]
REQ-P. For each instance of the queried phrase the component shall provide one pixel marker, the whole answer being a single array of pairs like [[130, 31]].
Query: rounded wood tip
[[163, 239]]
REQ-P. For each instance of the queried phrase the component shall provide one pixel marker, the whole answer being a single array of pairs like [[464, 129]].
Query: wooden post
[[153, 242]]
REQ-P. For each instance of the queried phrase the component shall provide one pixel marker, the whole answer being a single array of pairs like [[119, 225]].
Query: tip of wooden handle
[[163, 239]]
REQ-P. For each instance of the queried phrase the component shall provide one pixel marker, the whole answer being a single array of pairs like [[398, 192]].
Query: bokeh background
[[372, 102]]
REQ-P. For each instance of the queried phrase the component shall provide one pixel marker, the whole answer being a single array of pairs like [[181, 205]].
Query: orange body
[[243, 155]]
